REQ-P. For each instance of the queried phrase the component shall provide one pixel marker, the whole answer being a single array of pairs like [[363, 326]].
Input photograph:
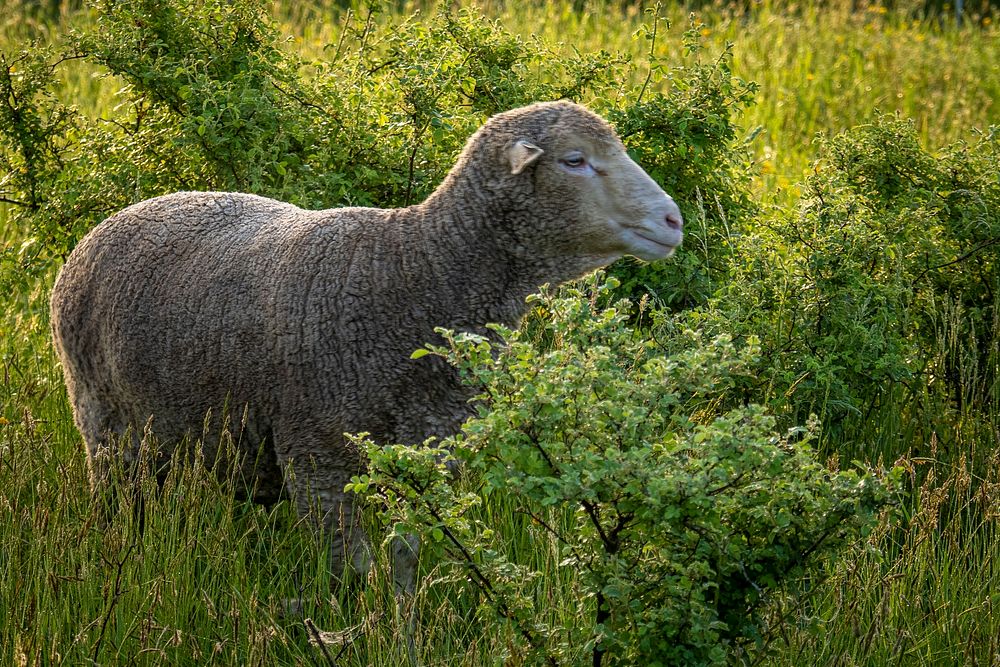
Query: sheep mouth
[[650, 248]]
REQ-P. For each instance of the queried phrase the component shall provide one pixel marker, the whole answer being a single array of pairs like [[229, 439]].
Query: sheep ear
[[521, 154]]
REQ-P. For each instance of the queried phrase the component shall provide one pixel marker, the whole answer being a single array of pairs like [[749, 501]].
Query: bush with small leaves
[[214, 101], [876, 291], [36, 131], [677, 519], [689, 140]]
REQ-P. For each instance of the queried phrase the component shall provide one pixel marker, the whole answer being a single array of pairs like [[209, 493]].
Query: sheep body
[[226, 316], [303, 322]]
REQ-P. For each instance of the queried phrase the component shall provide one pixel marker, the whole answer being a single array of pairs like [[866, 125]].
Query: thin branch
[[728, 485], [305, 103], [66, 58], [595, 518], [652, 46], [982, 246], [15, 202], [556, 534], [486, 586], [116, 595]]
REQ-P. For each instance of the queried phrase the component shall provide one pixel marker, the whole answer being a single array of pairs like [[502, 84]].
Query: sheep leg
[[316, 470], [316, 474], [97, 423], [405, 554], [110, 443]]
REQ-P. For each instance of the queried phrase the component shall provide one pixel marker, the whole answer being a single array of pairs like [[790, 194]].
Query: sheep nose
[[675, 221]]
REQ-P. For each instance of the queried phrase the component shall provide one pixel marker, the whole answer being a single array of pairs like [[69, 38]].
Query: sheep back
[[181, 305]]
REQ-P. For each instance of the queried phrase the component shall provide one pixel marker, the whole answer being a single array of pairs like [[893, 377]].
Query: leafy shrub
[[679, 519], [35, 131], [214, 102], [689, 141], [855, 295]]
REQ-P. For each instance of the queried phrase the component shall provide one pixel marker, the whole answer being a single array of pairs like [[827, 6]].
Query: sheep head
[[568, 164]]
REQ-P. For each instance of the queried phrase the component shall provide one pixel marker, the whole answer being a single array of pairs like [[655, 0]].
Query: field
[[883, 324]]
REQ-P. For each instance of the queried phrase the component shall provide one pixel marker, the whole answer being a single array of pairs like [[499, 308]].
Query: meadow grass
[[206, 579]]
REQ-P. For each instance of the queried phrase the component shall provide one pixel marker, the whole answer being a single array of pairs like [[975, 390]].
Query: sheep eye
[[574, 161]]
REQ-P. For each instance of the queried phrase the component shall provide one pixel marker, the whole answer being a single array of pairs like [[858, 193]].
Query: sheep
[[304, 322]]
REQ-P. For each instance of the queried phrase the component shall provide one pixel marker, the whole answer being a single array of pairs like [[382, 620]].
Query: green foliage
[[848, 295], [33, 126], [689, 141], [679, 520], [212, 101], [35, 132], [864, 293]]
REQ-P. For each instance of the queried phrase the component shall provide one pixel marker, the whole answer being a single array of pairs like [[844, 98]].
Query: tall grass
[[208, 578]]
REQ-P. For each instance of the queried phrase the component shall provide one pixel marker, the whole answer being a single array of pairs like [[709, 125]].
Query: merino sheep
[[304, 321]]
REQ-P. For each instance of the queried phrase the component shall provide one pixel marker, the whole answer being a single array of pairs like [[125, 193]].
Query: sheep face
[[611, 206]]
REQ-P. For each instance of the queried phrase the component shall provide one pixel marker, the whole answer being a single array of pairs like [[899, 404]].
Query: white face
[[622, 204]]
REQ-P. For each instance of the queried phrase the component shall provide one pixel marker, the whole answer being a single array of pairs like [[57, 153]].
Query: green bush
[[36, 134], [876, 291], [689, 141], [679, 519]]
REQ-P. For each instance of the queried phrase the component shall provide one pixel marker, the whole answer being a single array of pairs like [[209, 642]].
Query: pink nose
[[674, 221]]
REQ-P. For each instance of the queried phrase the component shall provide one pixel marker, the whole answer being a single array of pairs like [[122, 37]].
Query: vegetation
[[685, 517], [691, 462]]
